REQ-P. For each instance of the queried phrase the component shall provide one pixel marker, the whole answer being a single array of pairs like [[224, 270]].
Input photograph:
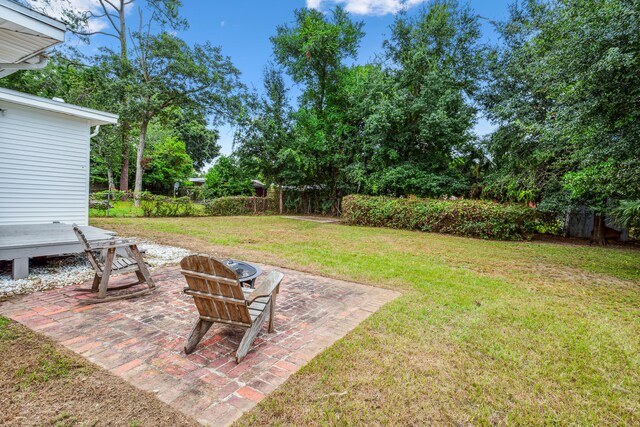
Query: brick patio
[[141, 340]]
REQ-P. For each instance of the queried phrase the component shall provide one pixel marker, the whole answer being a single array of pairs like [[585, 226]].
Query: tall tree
[[113, 19], [171, 73], [189, 124], [420, 115], [166, 161], [227, 178], [565, 94], [265, 138], [313, 52]]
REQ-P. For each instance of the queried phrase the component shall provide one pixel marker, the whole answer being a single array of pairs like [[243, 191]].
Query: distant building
[[259, 188], [198, 182]]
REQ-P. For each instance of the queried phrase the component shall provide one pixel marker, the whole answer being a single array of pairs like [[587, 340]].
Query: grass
[[119, 210], [45, 384], [125, 209], [50, 365], [485, 333]]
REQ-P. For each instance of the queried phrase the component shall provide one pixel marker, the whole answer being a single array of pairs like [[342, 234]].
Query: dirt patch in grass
[[44, 384]]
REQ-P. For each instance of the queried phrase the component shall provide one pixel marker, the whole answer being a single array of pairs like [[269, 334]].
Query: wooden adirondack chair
[[219, 297], [103, 257]]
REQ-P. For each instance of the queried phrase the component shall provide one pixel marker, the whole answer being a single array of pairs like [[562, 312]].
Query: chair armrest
[[107, 244], [266, 287]]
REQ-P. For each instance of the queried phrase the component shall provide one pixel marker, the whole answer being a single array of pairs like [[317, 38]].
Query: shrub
[[197, 194], [627, 213], [116, 195], [162, 206], [227, 178], [101, 205], [240, 205], [550, 225], [474, 218]]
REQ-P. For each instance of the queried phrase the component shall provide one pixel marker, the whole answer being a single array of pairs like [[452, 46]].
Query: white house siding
[[44, 166]]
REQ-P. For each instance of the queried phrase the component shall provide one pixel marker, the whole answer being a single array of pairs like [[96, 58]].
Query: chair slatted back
[[216, 290], [93, 259]]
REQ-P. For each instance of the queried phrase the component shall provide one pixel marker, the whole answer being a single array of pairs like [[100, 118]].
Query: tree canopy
[[227, 178], [565, 93], [561, 85]]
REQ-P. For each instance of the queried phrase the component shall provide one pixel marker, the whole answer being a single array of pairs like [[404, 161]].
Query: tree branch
[[113, 24], [111, 4], [93, 33]]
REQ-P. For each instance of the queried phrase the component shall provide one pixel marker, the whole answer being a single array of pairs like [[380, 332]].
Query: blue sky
[[243, 27]]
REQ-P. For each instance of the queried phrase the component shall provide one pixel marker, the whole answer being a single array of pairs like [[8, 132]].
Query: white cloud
[[56, 8], [313, 4], [367, 7]]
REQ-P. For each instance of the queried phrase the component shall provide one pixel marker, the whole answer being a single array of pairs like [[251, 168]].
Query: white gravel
[[58, 272]]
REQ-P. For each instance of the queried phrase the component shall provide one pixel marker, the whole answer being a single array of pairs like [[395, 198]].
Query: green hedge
[[240, 205], [474, 218], [161, 206], [112, 195]]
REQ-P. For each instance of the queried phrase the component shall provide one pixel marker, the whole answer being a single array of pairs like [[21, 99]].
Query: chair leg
[[96, 283], [140, 276], [142, 266], [272, 304], [106, 273], [251, 334], [198, 331]]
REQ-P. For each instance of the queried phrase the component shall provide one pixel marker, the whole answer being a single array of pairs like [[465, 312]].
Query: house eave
[[95, 117], [25, 34]]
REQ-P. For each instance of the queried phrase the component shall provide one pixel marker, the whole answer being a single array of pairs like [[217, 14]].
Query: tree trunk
[[280, 196], [122, 32], [124, 128], [598, 233], [124, 168], [140, 155], [112, 184]]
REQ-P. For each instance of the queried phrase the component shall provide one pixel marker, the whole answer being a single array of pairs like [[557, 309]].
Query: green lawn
[[123, 209], [485, 333], [119, 209]]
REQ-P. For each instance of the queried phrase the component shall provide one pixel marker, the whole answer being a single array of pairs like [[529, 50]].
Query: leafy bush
[[474, 218], [627, 213], [240, 205], [227, 178], [166, 164], [554, 226], [101, 205], [161, 206], [197, 194], [116, 195]]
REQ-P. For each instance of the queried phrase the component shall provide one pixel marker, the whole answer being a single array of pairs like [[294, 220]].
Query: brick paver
[[141, 340]]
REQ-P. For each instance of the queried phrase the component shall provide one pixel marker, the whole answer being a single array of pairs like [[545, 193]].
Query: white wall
[[44, 166]]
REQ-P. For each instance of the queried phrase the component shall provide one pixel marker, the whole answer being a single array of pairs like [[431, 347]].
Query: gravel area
[[57, 272]]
